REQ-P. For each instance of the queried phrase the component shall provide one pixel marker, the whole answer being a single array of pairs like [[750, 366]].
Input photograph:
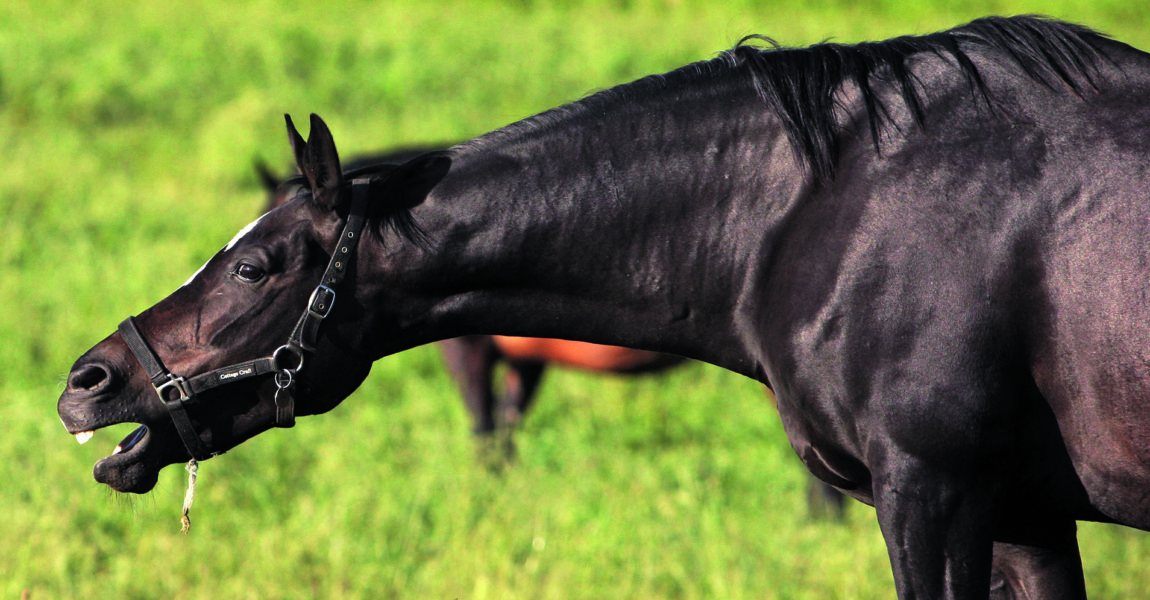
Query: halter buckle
[[321, 301], [177, 383]]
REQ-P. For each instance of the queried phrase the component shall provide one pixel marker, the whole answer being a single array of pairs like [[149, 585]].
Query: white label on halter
[[235, 239]]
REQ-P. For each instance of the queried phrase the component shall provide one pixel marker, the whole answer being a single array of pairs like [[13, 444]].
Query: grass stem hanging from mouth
[[185, 521]]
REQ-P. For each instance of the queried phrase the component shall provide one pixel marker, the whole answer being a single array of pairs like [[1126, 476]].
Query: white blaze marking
[[235, 239]]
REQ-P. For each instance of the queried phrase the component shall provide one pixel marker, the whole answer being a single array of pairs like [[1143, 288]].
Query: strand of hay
[[186, 522]]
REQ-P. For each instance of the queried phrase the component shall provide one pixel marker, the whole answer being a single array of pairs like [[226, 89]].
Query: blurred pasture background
[[127, 136]]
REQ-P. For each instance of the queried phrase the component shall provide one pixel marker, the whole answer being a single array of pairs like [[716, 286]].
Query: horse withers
[[933, 249]]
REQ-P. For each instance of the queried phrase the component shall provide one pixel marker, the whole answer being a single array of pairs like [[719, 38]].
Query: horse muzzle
[[101, 393]]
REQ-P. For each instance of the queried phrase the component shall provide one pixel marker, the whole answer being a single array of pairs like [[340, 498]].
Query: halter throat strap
[[177, 393]]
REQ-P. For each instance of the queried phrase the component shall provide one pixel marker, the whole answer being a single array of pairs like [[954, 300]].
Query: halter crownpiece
[[176, 393]]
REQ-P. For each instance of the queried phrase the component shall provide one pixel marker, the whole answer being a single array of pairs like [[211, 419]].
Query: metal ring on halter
[[280, 383], [280, 366]]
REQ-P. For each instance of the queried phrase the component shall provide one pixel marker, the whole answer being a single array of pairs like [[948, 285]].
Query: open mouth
[[133, 438], [134, 463], [128, 443], [153, 440]]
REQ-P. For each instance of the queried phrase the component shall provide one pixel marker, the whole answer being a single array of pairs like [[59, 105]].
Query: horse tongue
[[132, 439]]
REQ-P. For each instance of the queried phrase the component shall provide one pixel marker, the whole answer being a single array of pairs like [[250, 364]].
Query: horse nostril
[[89, 377]]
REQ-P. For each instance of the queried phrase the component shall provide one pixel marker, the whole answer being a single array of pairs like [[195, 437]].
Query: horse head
[[239, 348]]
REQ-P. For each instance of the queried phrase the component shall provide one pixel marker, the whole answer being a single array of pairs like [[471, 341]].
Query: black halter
[[286, 362]]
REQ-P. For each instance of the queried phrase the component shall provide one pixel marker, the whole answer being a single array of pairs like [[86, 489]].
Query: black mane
[[799, 85], [398, 219]]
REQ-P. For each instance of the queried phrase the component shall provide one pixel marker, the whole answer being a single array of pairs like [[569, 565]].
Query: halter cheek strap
[[306, 332], [176, 393]]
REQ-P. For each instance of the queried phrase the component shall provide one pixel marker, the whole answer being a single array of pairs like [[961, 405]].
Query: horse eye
[[248, 272]]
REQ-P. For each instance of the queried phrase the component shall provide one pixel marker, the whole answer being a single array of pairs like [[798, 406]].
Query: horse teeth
[[118, 449], [84, 436]]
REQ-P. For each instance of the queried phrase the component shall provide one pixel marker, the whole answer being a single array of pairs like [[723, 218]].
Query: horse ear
[[298, 146], [321, 165], [271, 184], [265, 175]]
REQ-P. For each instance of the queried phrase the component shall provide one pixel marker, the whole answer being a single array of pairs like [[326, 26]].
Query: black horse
[[934, 249]]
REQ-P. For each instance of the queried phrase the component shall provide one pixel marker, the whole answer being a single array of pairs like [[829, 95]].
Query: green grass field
[[126, 142]]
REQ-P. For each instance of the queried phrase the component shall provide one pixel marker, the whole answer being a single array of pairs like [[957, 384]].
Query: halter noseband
[[176, 393]]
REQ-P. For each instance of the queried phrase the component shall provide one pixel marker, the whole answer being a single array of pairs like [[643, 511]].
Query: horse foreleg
[[523, 377], [935, 528], [1052, 571], [471, 361], [824, 500]]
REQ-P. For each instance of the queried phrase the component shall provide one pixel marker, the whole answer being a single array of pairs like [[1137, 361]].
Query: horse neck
[[641, 227]]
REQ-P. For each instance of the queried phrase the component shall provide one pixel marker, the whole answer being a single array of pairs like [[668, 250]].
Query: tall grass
[[126, 142]]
